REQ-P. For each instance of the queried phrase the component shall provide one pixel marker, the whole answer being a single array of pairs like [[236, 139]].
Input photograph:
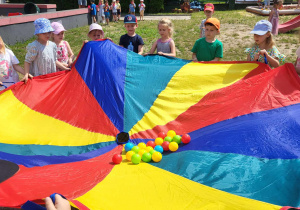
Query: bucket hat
[[42, 25]]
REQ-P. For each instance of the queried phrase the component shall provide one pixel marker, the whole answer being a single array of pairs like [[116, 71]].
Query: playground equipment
[[289, 25]]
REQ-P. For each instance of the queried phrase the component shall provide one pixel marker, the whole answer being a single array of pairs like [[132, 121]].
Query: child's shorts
[[114, 13], [142, 12], [82, 2], [118, 12], [267, 2], [106, 14]]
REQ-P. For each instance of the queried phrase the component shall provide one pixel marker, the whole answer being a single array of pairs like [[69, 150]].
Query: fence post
[[231, 4]]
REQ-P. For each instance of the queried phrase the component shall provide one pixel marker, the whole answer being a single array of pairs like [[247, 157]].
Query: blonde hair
[[167, 22], [2, 49], [269, 41]]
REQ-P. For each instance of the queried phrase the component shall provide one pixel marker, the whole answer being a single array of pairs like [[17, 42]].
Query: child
[[106, 12], [267, 3], [93, 11], [101, 12], [209, 48], [41, 54], [132, 8], [274, 16], [260, 4], [264, 46], [208, 11], [131, 40], [9, 64], [118, 9], [114, 10], [142, 7], [95, 32], [165, 45], [64, 51]]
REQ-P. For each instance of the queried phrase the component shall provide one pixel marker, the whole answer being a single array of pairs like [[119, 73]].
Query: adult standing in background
[[82, 3]]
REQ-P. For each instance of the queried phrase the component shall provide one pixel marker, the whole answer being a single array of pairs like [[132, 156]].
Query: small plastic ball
[[117, 159], [156, 156], [159, 141], [151, 144], [165, 145], [186, 138], [142, 145], [129, 155], [162, 135], [158, 148], [171, 133], [149, 148], [173, 146], [152, 151], [136, 149], [136, 159], [141, 152], [177, 139], [168, 138], [146, 157], [128, 146]]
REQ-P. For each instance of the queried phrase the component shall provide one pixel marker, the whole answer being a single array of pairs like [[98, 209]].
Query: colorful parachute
[[58, 133]]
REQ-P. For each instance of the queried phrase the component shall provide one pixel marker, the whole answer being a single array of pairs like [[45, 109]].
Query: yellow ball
[[156, 156], [171, 133], [142, 145], [142, 151], [148, 148], [158, 141], [129, 154], [173, 146]]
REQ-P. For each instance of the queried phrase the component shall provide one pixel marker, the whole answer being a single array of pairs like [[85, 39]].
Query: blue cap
[[262, 27], [130, 19], [42, 25]]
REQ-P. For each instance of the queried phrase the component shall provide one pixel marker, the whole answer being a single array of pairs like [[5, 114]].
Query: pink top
[[62, 52]]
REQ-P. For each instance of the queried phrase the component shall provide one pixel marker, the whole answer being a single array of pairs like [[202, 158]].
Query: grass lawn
[[235, 28]]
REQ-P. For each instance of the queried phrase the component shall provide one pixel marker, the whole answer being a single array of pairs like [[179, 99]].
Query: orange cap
[[213, 21]]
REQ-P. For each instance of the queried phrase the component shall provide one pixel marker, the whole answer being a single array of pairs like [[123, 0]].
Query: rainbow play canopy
[[58, 133]]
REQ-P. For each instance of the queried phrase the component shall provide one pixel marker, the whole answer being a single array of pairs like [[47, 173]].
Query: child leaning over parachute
[[264, 49]]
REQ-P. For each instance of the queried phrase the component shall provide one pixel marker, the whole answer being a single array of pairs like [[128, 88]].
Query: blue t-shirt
[[93, 9], [135, 40], [132, 8]]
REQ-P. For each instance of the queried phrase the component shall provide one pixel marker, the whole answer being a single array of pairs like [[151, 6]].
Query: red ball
[[165, 145], [162, 135], [117, 159], [151, 144], [185, 138]]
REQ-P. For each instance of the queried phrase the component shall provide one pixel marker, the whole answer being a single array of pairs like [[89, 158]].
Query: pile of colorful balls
[[153, 149]]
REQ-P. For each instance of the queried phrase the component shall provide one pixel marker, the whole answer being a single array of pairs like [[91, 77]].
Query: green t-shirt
[[206, 51]]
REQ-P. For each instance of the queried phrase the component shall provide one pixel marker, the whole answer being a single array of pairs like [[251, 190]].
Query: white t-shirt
[[7, 73], [298, 57], [142, 6]]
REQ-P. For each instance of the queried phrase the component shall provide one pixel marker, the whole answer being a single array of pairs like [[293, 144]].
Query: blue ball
[[158, 148], [128, 146]]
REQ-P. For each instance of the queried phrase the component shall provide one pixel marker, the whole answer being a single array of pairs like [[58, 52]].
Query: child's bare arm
[[173, 50], [153, 48], [26, 71], [18, 68], [194, 57], [140, 49]]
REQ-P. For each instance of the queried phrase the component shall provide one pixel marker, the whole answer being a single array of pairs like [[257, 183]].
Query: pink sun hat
[[58, 27]]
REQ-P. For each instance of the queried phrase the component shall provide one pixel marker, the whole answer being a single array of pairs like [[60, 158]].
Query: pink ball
[[162, 135], [165, 145], [185, 138], [151, 144], [117, 159]]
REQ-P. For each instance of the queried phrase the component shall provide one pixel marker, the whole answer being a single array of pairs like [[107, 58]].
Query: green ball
[[152, 151], [168, 138], [177, 139], [136, 149], [146, 157], [136, 159]]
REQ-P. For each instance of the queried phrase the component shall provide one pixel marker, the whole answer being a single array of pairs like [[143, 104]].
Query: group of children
[[44, 56], [115, 8]]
